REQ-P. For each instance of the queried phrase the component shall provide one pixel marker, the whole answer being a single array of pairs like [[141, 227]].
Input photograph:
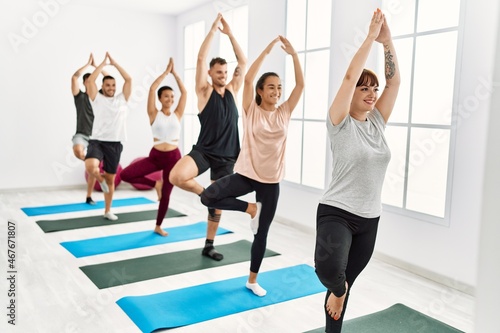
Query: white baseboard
[[423, 272]]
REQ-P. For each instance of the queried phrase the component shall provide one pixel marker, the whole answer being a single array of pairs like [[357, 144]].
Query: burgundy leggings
[[157, 160]]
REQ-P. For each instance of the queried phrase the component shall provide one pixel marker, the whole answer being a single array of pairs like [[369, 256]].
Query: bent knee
[[176, 178], [79, 152], [205, 199]]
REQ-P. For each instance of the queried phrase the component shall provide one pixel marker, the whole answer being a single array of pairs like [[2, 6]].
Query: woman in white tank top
[[165, 126]]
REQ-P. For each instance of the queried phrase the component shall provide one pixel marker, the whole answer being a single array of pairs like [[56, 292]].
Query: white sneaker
[[254, 223], [110, 216], [104, 186]]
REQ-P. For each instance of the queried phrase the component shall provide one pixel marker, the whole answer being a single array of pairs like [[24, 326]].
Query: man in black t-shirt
[[218, 143]]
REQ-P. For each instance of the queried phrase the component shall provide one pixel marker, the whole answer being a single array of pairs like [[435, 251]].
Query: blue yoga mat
[[76, 207], [93, 246], [179, 307]]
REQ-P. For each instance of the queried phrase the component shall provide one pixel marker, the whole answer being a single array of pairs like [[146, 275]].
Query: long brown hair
[[260, 85]]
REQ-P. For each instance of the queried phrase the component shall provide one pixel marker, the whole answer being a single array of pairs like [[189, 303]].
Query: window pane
[[191, 102], [319, 14], [193, 37], [404, 52], [317, 77], [293, 152], [238, 21], [289, 84], [191, 129], [401, 16], [434, 78], [393, 189], [314, 154], [296, 23], [440, 14], [428, 168]]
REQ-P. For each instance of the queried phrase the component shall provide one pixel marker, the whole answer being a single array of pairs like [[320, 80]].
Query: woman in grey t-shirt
[[349, 211]]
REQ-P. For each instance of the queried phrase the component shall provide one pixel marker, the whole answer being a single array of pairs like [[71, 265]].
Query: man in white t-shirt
[[109, 130]]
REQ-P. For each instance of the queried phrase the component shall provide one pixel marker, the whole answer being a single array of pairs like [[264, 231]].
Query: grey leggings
[[344, 246], [223, 194]]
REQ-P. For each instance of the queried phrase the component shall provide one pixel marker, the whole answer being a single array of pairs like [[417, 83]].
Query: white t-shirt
[[110, 115]]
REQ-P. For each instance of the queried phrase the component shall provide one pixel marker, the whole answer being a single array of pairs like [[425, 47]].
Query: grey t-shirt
[[84, 114], [360, 157]]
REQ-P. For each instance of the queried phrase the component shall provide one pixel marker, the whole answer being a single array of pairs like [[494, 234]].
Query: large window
[[308, 29], [419, 132], [194, 34]]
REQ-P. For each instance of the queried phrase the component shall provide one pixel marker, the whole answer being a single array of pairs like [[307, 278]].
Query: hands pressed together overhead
[[379, 29]]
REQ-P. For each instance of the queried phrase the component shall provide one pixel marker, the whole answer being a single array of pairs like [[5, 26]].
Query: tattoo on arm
[[390, 67]]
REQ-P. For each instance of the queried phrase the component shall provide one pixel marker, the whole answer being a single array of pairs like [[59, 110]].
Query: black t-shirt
[[219, 126]]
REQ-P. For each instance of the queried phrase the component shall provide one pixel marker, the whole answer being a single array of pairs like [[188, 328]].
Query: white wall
[[43, 46], [37, 116], [488, 290]]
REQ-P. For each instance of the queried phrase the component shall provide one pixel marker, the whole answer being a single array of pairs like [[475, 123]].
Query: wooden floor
[[53, 295]]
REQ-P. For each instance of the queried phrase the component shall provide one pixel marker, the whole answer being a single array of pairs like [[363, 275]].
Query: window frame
[[452, 127], [303, 53]]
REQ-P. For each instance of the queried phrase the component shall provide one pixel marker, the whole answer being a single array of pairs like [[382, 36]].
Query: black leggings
[[223, 194], [344, 245]]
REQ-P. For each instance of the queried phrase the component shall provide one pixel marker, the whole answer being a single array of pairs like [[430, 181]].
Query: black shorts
[[219, 166], [108, 152]]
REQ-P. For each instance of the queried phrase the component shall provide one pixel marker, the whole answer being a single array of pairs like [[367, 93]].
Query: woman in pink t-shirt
[[261, 162]]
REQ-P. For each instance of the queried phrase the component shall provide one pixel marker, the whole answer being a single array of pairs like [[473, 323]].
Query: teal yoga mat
[[101, 245], [122, 272], [396, 319], [99, 220], [76, 207], [180, 307]]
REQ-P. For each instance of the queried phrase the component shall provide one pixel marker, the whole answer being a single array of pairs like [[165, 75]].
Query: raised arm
[[91, 85], [103, 72], [339, 108], [127, 85], [75, 86], [294, 97], [201, 84], [152, 110], [387, 99], [181, 105], [248, 89], [239, 71]]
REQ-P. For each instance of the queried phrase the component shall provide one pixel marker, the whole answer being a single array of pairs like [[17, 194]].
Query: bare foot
[[252, 209], [160, 231], [158, 187], [335, 305]]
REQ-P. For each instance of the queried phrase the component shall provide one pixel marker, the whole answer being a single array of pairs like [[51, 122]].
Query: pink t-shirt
[[262, 155]]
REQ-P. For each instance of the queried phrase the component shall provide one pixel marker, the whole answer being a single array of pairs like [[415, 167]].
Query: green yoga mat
[[99, 220], [397, 319], [122, 272]]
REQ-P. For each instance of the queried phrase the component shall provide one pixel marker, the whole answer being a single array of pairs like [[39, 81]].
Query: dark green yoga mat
[[397, 319], [99, 220], [144, 268]]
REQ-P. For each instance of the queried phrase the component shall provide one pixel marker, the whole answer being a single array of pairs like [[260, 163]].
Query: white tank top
[[166, 129]]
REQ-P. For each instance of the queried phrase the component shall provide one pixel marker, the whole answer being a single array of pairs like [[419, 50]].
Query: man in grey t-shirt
[[84, 121]]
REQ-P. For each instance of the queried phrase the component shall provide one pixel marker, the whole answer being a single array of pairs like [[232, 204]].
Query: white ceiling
[[168, 7]]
